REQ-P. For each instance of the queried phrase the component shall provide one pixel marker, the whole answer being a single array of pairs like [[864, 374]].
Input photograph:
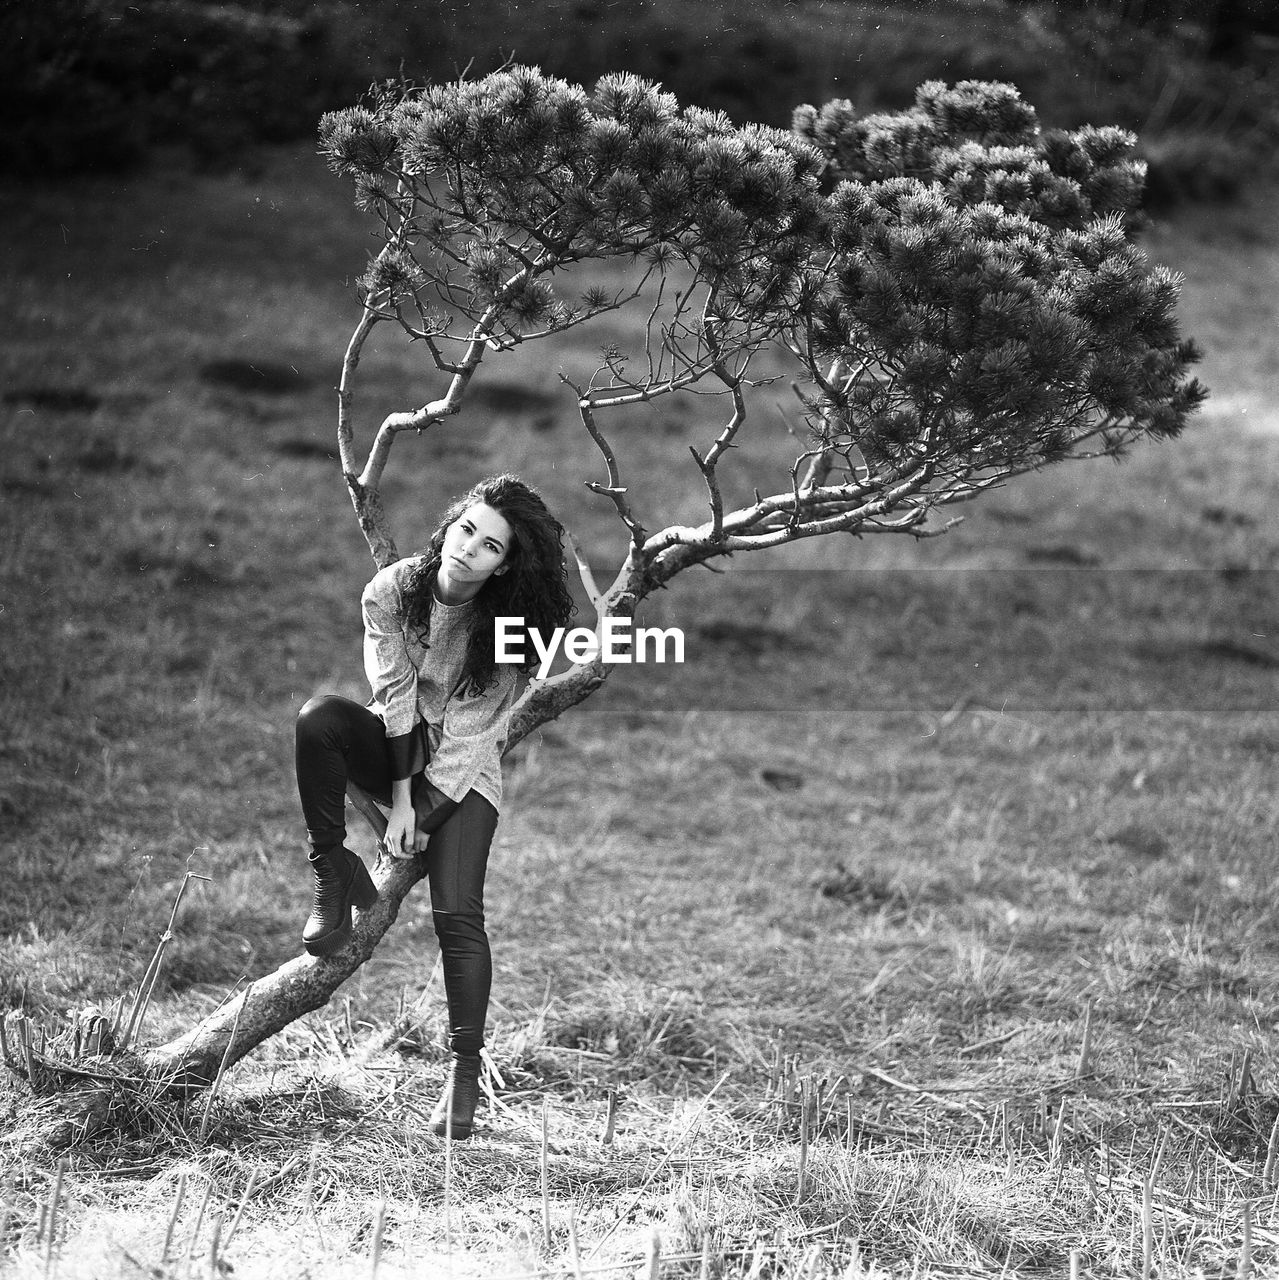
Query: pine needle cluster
[[985, 295], [488, 188]]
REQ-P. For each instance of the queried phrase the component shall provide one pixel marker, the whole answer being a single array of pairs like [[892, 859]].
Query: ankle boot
[[341, 881], [455, 1111]]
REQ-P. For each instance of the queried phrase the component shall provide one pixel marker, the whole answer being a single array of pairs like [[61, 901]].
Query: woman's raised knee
[[319, 713]]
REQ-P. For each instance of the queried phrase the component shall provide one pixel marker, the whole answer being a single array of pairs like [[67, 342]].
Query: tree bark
[[298, 986]]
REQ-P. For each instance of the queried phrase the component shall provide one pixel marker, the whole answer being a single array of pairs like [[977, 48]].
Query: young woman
[[430, 744]]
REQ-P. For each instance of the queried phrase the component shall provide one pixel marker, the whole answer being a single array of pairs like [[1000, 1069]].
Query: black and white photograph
[[639, 639]]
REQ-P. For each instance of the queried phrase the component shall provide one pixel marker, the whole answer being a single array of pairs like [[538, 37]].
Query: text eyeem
[[617, 641]]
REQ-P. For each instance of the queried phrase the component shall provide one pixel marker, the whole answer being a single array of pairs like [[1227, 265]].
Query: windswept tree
[[956, 290]]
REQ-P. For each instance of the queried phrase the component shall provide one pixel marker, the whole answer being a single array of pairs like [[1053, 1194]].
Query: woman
[[430, 744]]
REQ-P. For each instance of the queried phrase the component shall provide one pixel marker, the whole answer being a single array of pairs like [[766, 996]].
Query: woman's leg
[[336, 740], [457, 859]]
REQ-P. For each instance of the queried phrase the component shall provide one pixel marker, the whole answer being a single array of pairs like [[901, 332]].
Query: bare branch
[[614, 490], [346, 433], [544, 700], [724, 441], [443, 365], [655, 373], [908, 526], [846, 516], [823, 459], [838, 523], [643, 393]]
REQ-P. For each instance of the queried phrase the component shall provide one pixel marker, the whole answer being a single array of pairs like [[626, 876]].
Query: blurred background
[[105, 84]]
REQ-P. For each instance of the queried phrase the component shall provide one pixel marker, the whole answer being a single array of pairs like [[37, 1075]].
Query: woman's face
[[475, 547]]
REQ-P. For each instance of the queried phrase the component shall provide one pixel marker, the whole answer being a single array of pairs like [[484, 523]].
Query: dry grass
[[920, 922]]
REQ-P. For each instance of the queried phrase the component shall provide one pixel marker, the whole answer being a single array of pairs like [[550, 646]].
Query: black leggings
[[337, 740]]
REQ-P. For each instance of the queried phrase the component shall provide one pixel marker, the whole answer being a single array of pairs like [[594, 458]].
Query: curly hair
[[534, 587]]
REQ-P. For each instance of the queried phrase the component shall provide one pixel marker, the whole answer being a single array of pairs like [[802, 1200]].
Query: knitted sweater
[[413, 684]]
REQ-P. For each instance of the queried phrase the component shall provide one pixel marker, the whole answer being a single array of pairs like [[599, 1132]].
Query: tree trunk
[[298, 986]]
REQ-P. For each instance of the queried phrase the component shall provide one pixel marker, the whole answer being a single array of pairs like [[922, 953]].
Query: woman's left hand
[[400, 840]]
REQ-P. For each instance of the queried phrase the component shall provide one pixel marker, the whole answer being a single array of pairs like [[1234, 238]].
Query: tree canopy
[[960, 289]]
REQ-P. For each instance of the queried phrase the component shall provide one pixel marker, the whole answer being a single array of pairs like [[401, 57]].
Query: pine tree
[[960, 289]]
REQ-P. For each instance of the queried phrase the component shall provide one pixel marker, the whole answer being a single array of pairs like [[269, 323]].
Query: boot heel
[[363, 890], [454, 1114]]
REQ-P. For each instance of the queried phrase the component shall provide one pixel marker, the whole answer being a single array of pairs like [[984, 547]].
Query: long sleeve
[[473, 736], [416, 691], [391, 672]]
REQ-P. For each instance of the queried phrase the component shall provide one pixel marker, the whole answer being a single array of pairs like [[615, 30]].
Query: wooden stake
[[199, 1217], [28, 1053], [375, 1247], [1272, 1150], [215, 1237], [1085, 1047], [574, 1249], [1245, 1076], [654, 1267], [801, 1188], [546, 1180], [1058, 1127], [53, 1215], [1147, 1228], [610, 1117], [178, 1197], [244, 1200], [1245, 1253]]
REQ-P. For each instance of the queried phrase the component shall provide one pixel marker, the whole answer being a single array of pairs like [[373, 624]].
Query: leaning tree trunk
[[298, 986], [307, 983]]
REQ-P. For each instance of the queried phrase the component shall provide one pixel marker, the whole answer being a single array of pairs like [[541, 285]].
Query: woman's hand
[[401, 838], [401, 832]]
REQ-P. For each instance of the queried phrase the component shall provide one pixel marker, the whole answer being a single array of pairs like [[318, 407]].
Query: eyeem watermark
[[616, 642]]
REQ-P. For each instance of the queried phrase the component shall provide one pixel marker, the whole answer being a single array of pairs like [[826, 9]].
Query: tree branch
[[614, 490], [350, 362], [545, 700], [724, 441]]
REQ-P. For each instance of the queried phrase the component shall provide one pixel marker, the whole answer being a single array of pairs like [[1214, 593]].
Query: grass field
[[923, 921]]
